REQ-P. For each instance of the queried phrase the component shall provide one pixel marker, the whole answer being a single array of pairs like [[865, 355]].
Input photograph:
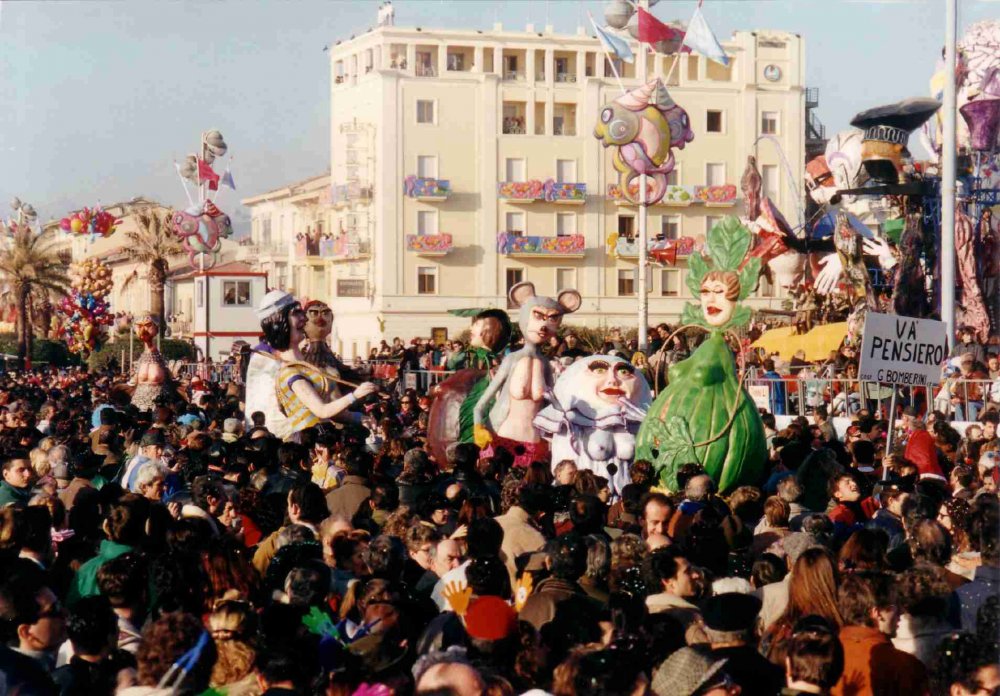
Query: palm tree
[[152, 244], [33, 270]]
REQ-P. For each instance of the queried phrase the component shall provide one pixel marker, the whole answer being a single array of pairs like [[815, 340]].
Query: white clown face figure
[[598, 384]]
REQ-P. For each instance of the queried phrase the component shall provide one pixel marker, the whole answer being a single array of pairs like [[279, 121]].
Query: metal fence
[[960, 400], [216, 372]]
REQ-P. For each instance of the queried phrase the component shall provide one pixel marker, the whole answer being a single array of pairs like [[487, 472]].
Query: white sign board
[[902, 350], [761, 395]]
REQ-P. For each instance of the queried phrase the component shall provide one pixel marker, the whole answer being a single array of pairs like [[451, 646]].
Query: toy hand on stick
[[880, 248], [458, 596]]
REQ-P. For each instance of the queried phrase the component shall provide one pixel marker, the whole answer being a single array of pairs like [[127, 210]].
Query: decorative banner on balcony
[[644, 126], [429, 243], [531, 190], [566, 193], [674, 195], [416, 187], [724, 195], [679, 195], [662, 251], [509, 244]]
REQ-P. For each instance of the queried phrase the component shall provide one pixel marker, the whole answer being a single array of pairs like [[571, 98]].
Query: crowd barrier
[[216, 372], [960, 400]]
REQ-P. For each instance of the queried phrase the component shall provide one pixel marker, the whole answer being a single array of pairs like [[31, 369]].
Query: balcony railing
[[426, 71], [565, 129], [565, 77], [663, 251], [538, 190], [425, 189], [812, 97], [512, 75], [429, 244], [679, 196], [517, 244], [340, 248], [343, 194]]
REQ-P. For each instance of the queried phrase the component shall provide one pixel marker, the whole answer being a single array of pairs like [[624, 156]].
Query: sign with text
[[902, 350]]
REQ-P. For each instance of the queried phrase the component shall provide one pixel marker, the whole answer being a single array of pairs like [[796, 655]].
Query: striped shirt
[[298, 415]]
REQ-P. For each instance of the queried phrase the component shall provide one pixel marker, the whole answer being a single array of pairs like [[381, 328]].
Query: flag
[[700, 39], [652, 30], [613, 44], [227, 179], [206, 173]]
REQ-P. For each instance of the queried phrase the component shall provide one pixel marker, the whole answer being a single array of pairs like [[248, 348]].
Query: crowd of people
[[188, 549]]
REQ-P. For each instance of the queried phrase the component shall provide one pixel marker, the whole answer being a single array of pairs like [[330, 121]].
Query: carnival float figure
[[705, 415], [593, 416], [504, 415], [201, 229], [644, 126], [292, 394], [451, 416], [152, 378]]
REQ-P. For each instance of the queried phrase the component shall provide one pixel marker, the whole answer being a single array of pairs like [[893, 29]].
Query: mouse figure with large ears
[[517, 390]]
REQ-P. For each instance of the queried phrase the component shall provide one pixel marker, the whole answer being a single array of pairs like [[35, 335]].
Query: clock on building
[[772, 73]]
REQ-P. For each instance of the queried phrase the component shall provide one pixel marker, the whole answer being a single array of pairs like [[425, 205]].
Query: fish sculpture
[[644, 126]]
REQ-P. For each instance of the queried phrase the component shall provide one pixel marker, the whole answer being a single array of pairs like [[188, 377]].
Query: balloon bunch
[[85, 308], [96, 223]]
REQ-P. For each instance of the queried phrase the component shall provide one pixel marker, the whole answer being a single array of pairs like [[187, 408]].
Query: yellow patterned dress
[[298, 416]]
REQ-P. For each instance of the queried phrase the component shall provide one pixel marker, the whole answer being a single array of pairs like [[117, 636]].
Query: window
[[674, 176], [626, 226], [236, 293], [565, 171], [769, 181], [425, 64], [425, 111], [515, 223], [713, 121], [427, 166], [769, 122], [456, 61], [427, 222], [562, 67], [764, 287], [514, 169], [265, 231], [565, 279], [510, 66], [670, 226], [513, 276], [626, 282], [565, 224], [427, 280], [715, 174], [711, 221], [670, 283]]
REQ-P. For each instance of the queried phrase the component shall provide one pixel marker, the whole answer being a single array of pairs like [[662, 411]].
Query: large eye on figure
[[624, 370], [598, 367], [606, 115], [618, 129]]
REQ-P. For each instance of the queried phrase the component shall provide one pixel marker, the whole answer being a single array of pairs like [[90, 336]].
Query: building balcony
[[565, 77], [679, 196], [426, 71], [537, 190], [254, 252], [513, 76], [518, 245], [343, 195], [663, 251], [429, 244], [339, 248], [513, 126], [424, 189]]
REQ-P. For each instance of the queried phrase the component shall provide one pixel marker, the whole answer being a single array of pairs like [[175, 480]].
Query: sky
[[99, 98]]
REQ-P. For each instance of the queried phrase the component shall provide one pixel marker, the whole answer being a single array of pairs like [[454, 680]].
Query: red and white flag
[[206, 173]]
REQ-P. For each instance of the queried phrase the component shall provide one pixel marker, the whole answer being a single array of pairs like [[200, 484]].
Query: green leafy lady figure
[[704, 415]]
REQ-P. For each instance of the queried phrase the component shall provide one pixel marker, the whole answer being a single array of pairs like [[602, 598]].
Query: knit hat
[[231, 425], [684, 673], [490, 618]]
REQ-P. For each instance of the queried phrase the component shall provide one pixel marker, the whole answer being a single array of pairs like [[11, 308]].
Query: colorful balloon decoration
[[201, 229], [705, 415], [644, 126], [86, 311], [96, 222]]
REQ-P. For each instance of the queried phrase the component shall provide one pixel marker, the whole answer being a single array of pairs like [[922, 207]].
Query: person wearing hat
[[306, 394], [692, 672], [730, 620], [231, 430], [151, 447]]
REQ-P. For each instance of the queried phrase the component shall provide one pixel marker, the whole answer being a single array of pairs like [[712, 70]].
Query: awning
[[817, 343]]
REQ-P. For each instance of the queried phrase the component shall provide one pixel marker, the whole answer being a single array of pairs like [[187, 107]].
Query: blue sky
[[100, 97]]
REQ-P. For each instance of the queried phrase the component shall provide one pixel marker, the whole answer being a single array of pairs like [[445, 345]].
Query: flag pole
[[643, 333], [187, 193]]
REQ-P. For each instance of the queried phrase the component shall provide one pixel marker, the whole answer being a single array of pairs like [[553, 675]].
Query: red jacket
[[920, 450], [873, 667]]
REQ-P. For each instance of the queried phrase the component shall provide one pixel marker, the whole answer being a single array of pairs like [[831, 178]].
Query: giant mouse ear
[[521, 293], [570, 300]]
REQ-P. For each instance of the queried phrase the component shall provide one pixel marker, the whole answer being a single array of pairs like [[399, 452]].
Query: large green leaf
[[748, 277], [677, 441], [697, 268], [728, 242], [741, 316], [692, 315]]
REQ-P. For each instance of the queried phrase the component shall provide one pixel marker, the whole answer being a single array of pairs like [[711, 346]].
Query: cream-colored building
[[463, 162]]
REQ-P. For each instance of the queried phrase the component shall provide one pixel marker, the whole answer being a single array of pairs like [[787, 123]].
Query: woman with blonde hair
[[233, 626], [811, 590]]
